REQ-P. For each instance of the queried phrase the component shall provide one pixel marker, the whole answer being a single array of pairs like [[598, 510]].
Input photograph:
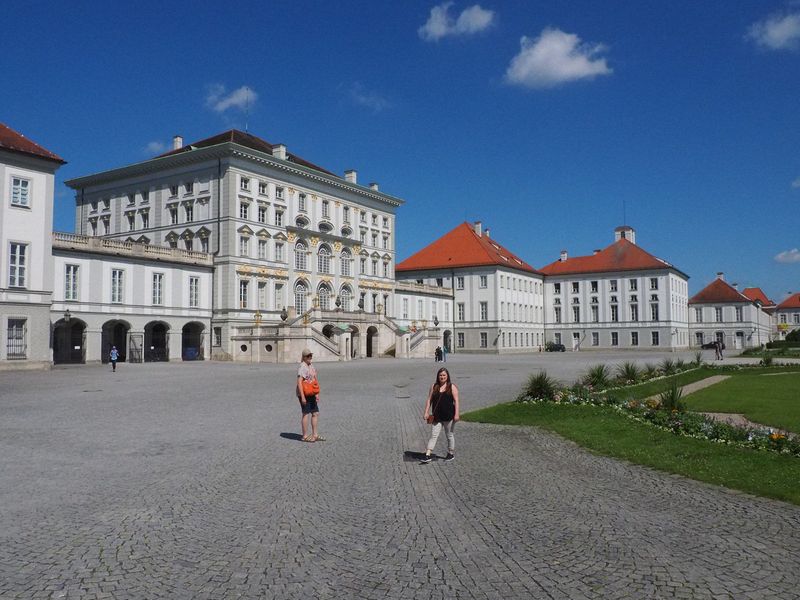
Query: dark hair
[[449, 382]]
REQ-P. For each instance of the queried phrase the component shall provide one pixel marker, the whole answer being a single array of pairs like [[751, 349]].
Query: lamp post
[[284, 314], [758, 321]]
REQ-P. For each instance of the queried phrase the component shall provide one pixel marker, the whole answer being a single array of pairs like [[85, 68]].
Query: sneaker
[[449, 457], [426, 459]]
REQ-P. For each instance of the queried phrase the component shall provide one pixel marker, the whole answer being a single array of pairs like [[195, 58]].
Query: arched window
[[300, 297], [324, 297], [346, 298], [345, 260], [300, 256], [324, 259]]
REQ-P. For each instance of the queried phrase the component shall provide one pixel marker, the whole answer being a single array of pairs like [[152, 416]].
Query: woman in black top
[[441, 410]]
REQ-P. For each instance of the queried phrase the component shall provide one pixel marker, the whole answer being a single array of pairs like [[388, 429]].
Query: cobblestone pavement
[[187, 481]]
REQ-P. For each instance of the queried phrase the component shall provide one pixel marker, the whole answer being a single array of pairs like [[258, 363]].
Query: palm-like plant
[[698, 358], [667, 366], [650, 371], [541, 386], [671, 398], [628, 372], [598, 376]]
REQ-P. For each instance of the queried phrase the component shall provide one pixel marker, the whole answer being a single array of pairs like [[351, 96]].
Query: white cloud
[[219, 100], [777, 32], [788, 256], [555, 57], [796, 183], [441, 24], [361, 96], [155, 147]]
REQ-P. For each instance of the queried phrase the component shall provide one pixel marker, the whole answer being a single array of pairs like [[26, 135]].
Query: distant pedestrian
[[717, 351], [437, 354], [308, 395], [444, 353], [113, 357], [442, 412], [721, 348]]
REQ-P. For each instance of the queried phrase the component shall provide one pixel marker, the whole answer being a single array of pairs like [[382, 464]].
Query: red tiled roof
[[792, 301], [718, 291], [622, 255], [756, 293], [16, 142], [462, 247], [248, 140]]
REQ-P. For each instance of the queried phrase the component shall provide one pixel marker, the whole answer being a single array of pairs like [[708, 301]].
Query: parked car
[[711, 346], [553, 347]]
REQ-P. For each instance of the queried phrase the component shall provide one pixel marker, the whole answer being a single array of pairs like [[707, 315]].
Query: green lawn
[[607, 432], [768, 399], [651, 388]]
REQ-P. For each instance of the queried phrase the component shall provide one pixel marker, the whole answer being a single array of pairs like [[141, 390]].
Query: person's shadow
[[409, 456], [292, 436]]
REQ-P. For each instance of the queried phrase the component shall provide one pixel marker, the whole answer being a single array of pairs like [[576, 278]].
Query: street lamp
[[284, 314], [758, 321], [435, 321]]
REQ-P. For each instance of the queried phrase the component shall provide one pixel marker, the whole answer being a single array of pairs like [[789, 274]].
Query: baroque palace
[[233, 248]]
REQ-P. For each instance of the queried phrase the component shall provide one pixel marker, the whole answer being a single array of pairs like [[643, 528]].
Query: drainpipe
[[454, 313], [216, 251]]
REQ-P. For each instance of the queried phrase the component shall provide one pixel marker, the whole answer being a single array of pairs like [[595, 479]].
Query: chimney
[[486, 233], [563, 256], [177, 142], [721, 275], [477, 228], [735, 285], [373, 186], [279, 151], [351, 176], [596, 251]]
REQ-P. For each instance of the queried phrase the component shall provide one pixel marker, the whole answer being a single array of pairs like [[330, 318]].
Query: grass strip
[[605, 431]]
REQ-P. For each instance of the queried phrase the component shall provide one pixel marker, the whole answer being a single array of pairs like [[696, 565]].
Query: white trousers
[[436, 429]]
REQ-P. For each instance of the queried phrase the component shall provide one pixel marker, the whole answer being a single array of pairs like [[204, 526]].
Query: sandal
[[319, 438], [308, 438]]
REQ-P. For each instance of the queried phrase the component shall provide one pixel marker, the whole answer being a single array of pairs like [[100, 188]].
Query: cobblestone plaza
[[169, 480]]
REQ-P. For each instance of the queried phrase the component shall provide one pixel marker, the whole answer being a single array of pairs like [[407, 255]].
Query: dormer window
[[106, 204], [131, 199], [94, 206], [188, 188], [145, 197], [173, 191]]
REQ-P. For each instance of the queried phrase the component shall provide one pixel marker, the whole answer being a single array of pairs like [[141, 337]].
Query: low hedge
[[782, 344]]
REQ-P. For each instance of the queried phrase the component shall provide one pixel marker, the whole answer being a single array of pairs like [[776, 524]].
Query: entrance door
[[738, 341]]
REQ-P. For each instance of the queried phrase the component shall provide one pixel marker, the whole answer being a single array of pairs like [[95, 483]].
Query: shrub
[[698, 358], [793, 335], [628, 372], [667, 366], [540, 386], [766, 360], [680, 365], [598, 376], [650, 371], [671, 398]]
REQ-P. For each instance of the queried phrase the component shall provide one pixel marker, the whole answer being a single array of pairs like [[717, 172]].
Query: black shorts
[[310, 406]]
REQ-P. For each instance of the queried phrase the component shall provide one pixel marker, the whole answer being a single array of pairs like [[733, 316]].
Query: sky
[[550, 122]]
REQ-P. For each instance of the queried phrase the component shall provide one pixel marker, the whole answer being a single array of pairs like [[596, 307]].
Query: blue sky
[[541, 119]]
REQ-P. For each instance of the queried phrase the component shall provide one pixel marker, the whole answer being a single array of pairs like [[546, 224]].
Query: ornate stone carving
[[291, 236], [314, 241]]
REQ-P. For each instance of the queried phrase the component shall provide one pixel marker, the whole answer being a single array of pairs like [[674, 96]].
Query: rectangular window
[[483, 281], [362, 266], [556, 288], [698, 315], [16, 339], [459, 283], [301, 202], [158, 288], [145, 220], [654, 312], [460, 339], [279, 218], [279, 193], [386, 269], [244, 246], [633, 284], [117, 283], [576, 314], [575, 287], [405, 308], [612, 285], [654, 338], [718, 314], [131, 221], [614, 338], [557, 338], [173, 191], [262, 188], [595, 338], [484, 339], [595, 314], [484, 311], [71, 282], [386, 222], [326, 209], [173, 215], [189, 210], [243, 293], [244, 210], [18, 265], [20, 192], [262, 214], [375, 220], [346, 214], [594, 287], [796, 318], [217, 336], [634, 312], [375, 267], [278, 296], [244, 184], [460, 311], [194, 292], [204, 244], [634, 338], [739, 314], [420, 314], [262, 294], [654, 285], [262, 249], [385, 242], [188, 187]]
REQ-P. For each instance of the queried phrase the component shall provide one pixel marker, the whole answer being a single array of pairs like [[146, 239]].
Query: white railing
[[111, 246]]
